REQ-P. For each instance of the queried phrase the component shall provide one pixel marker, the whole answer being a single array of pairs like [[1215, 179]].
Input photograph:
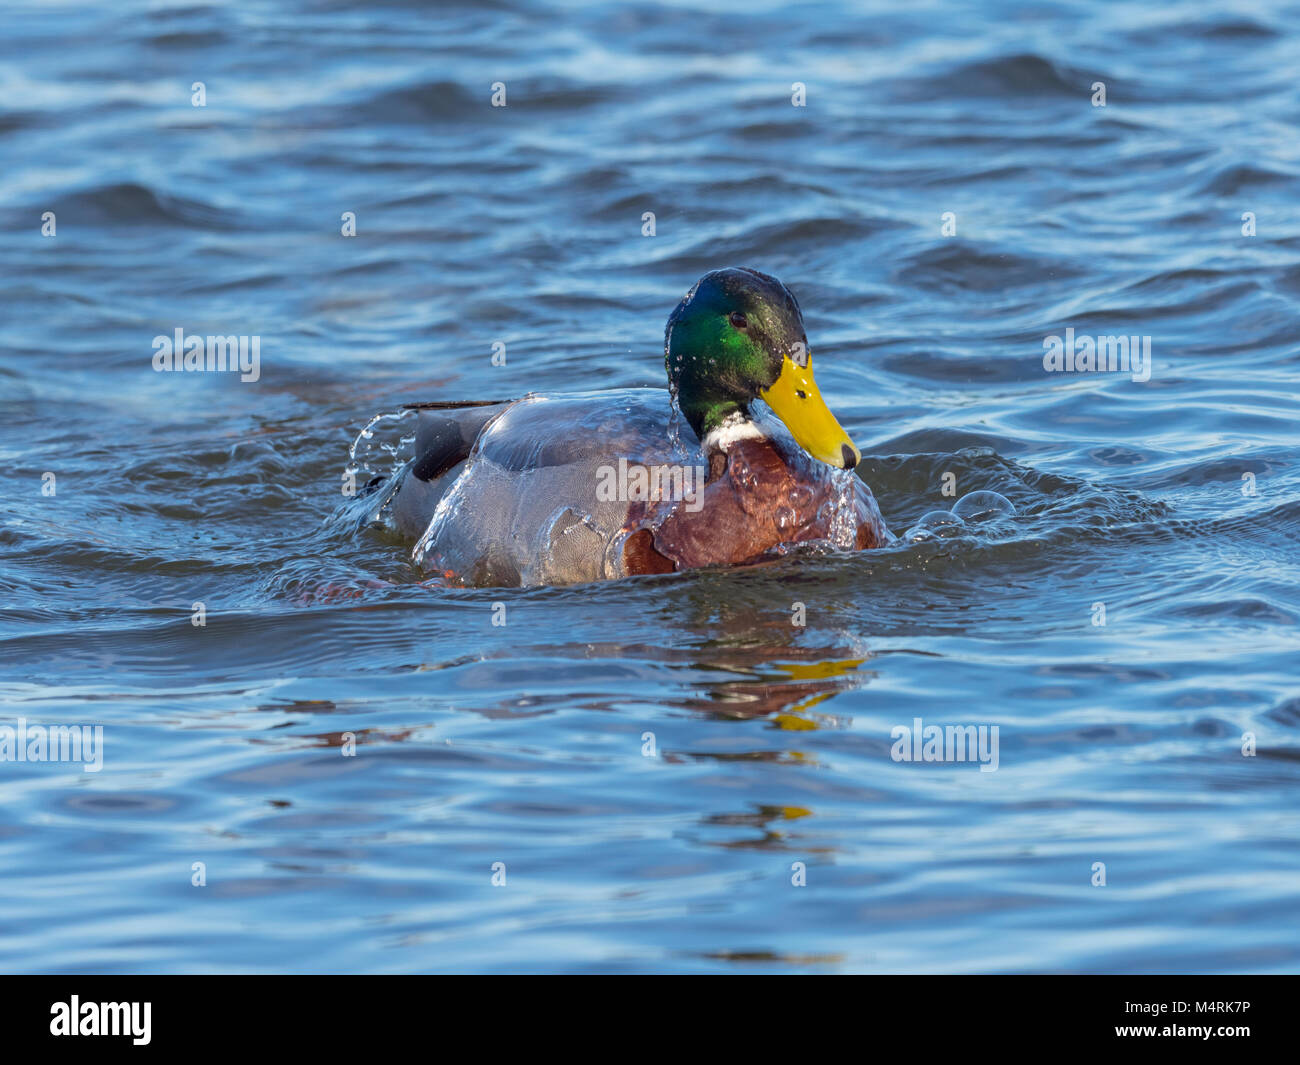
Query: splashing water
[[677, 447], [379, 451], [371, 443], [844, 525]]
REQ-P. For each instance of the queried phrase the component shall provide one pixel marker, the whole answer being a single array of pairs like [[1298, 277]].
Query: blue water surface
[[346, 769]]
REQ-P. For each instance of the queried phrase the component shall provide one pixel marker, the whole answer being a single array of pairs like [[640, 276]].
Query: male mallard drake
[[558, 488]]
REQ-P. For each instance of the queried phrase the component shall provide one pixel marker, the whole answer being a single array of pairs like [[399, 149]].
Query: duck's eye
[[739, 320], [801, 393]]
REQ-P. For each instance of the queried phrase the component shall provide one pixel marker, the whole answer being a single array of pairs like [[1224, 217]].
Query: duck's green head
[[736, 337]]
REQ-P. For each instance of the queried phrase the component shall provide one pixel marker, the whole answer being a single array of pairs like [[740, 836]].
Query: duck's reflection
[[784, 684], [728, 656], [734, 650], [777, 666]]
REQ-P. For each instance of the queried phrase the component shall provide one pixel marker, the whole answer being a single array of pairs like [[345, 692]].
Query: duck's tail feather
[[456, 404], [446, 433]]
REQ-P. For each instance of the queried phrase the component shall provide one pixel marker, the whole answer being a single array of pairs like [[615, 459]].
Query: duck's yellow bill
[[797, 402]]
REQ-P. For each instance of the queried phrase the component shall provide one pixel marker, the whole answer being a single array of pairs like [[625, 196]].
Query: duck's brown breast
[[755, 499]]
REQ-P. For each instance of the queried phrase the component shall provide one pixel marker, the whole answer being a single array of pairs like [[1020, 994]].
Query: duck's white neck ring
[[735, 427]]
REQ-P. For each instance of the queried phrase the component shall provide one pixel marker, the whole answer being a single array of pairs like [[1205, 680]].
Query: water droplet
[[935, 524], [981, 506], [741, 472], [935, 519]]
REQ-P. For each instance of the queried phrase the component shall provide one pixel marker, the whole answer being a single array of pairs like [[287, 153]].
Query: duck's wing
[[445, 435]]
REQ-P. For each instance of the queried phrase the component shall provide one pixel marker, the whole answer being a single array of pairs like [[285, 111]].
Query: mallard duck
[[559, 488]]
